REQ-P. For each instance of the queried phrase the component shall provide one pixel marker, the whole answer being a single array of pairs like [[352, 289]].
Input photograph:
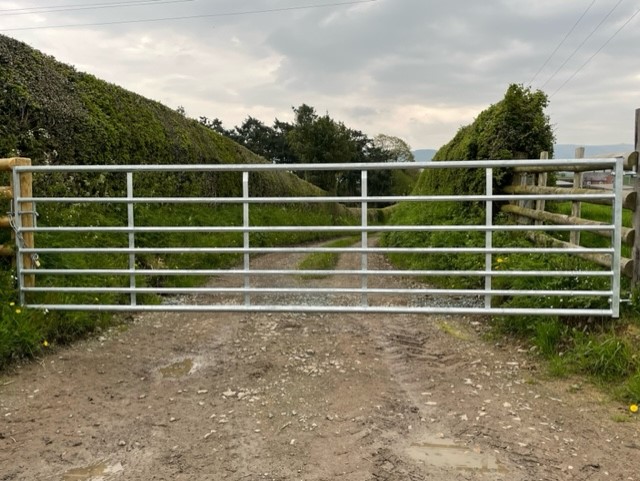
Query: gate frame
[[25, 270]]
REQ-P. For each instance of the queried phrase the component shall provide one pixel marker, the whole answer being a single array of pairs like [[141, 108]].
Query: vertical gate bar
[[488, 262], [576, 206], [17, 219], [132, 238], [617, 236], [364, 210], [246, 242]]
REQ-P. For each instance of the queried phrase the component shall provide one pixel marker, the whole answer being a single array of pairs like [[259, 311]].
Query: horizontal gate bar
[[307, 250], [274, 272], [310, 200], [296, 290], [325, 228], [597, 164], [325, 309]]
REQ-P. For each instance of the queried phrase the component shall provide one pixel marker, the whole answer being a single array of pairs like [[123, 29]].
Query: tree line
[[319, 139]]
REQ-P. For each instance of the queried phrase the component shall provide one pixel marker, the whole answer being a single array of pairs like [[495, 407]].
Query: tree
[[397, 149], [256, 136], [515, 127], [215, 124], [320, 140]]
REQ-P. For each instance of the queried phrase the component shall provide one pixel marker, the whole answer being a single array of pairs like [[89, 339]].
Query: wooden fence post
[[576, 206], [635, 280]]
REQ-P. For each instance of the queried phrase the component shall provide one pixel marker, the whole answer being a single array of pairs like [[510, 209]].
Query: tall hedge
[[516, 127], [54, 114]]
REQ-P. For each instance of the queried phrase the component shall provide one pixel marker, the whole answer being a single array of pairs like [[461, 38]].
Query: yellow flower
[[45, 343], [18, 311], [633, 408], [12, 304]]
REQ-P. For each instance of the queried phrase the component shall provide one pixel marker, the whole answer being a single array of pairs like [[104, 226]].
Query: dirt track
[[304, 397]]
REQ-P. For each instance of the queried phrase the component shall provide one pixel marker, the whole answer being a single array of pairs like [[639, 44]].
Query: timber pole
[[636, 214]]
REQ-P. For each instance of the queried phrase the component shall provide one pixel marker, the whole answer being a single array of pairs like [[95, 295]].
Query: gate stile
[[364, 292]]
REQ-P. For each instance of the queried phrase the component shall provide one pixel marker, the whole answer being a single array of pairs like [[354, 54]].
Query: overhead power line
[[582, 44], [94, 7], [596, 52], [193, 17], [564, 39], [26, 9]]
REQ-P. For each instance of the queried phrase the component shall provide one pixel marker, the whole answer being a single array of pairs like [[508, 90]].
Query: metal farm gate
[[136, 254]]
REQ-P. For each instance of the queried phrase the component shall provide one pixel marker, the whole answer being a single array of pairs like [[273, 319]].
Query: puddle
[[442, 453], [177, 369], [92, 473], [85, 474]]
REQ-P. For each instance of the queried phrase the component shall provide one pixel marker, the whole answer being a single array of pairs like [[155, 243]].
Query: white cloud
[[409, 68]]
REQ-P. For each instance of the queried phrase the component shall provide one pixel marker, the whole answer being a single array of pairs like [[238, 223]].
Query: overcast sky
[[417, 69]]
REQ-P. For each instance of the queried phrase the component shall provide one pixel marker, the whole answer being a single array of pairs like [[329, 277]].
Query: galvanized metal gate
[[250, 295]]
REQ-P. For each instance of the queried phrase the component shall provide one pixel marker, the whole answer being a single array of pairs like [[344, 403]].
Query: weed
[[558, 366], [621, 418], [318, 261], [607, 358], [631, 388], [549, 336]]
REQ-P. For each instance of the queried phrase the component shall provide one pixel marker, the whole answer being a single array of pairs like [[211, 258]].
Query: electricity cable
[[564, 39], [96, 7], [193, 17], [24, 9], [596, 52], [581, 44]]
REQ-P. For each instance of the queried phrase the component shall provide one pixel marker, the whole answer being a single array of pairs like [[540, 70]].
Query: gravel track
[[201, 396]]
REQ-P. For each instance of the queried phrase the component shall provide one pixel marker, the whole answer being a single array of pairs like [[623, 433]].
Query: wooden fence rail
[[26, 215], [533, 180]]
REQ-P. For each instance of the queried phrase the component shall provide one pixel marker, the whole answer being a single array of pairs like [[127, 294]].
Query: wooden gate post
[[26, 212], [636, 215]]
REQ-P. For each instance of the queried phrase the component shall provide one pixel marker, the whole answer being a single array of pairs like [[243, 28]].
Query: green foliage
[[320, 139], [607, 357], [631, 389], [25, 332], [56, 115], [514, 127], [549, 335]]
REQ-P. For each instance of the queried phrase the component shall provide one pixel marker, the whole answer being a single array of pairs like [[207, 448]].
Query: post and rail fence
[[534, 180]]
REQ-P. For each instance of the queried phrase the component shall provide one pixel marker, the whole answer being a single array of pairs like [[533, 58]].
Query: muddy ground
[[183, 396]]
